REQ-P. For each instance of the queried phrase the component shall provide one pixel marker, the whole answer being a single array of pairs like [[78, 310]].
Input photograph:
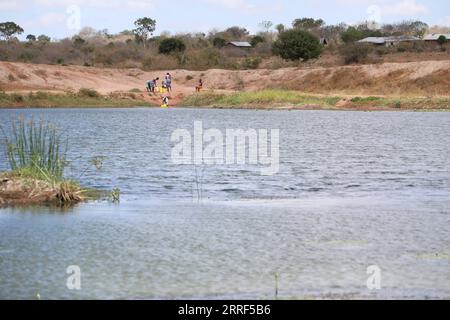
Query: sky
[[63, 18]]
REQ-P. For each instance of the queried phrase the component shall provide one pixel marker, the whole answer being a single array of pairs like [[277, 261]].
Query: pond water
[[354, 190]]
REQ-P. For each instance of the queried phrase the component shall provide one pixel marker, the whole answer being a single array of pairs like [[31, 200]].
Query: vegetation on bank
[[83, 98], [284, 98], [37, 157], [258, 98], [274, 46]]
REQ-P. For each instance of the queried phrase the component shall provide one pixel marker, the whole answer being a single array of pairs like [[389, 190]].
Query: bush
[[219, 42], [251, 63], [41, 95], [442, 40], [26, 56], [366, 99], [189, 78], [353, 34], [90, 93], [256, 40], [171, 45], [18, 98], [297, 44], [355, 53]]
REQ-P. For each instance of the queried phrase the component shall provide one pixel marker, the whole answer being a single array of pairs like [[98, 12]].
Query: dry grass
[[17, 188]]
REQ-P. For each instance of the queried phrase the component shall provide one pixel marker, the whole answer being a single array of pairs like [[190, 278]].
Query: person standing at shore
[[199, 87], [152, 85], [168, 81]]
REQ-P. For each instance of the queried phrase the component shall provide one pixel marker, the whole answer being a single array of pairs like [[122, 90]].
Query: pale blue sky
[[58, 18]]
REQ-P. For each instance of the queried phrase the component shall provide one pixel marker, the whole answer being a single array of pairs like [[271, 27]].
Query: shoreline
[[418, 86], [277, 100]]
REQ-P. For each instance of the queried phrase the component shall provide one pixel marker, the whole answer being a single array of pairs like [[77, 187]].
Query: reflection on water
[[354, 190]]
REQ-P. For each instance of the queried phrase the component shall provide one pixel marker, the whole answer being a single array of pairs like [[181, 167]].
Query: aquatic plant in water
[[37, 149]]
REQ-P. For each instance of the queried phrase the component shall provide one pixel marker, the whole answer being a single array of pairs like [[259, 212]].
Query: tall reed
[[37, 149]]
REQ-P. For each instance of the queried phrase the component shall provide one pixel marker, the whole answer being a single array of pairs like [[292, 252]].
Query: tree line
[[302, 41]]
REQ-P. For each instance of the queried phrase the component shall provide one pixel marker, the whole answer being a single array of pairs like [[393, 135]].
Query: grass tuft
[[36, 155], [259, 98], [36, 149]]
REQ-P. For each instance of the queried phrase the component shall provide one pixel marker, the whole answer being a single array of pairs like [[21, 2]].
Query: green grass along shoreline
[[264, 99]]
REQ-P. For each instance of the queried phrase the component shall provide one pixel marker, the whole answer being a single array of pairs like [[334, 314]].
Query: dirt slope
[[427, 78]]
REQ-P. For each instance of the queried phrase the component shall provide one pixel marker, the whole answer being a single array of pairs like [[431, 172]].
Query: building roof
[[383, 40], [241, 44], [377, 40], [435, 36]]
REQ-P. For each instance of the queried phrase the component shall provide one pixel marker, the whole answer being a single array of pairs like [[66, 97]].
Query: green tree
[[171, 45], [352, 35], [219, 42], [308, 24], [78, 42], [43, 39], [237, 33], [256, 40], [297, 44], [144, 28], [280, 28], [31, 38], [442, 40], [9, 29]]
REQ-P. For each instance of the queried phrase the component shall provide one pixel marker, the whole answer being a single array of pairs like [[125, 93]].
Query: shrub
[[442, 40], [219, 42], [367, 99], [189, 78], [256, 40], [171, 45], [251, 63], [351, 35], [41, 95], [355, 53], [90, 93], [18, 98], [297, 44], [26, 56]]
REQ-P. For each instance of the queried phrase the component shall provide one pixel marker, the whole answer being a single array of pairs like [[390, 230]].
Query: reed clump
[[37, 156]]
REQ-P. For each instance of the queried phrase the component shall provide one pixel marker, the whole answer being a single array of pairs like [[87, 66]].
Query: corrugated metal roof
[[382, 40], [243, 44], [378, 40], [435, 36]]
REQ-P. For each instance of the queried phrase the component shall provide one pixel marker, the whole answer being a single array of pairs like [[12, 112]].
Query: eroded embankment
[[404, 80]]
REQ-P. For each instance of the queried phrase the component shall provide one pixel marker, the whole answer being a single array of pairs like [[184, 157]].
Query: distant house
[[239, 44], [432, 39], [389, 41], [238, 48]]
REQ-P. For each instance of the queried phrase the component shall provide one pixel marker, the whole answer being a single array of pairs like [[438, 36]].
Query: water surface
[[354, 189]]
